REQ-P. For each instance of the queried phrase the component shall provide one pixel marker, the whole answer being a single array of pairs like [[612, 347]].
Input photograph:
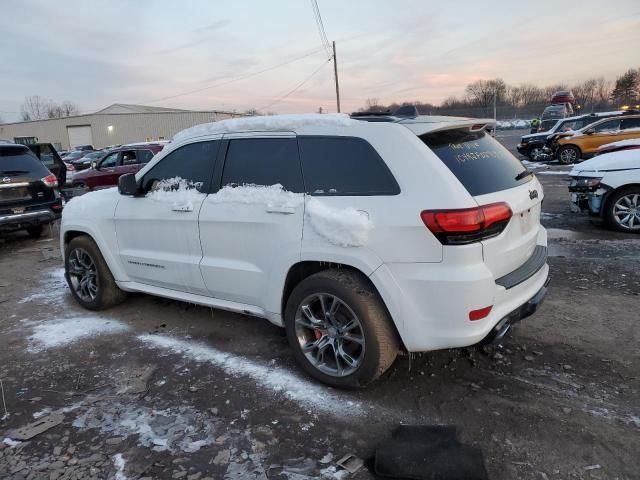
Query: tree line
[[36, 107], [526, 100]]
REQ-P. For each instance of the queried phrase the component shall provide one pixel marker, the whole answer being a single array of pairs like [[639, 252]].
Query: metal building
[[115, 125]]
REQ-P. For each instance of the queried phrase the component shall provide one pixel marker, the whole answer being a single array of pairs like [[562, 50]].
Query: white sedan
[[608, 187]]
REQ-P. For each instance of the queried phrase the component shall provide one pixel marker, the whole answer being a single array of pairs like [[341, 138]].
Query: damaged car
[[607, 187]]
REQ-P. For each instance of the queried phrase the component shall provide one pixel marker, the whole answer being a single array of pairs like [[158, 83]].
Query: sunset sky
[[96, 53]]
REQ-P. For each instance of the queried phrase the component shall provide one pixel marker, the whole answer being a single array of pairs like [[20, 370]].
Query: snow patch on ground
[[346, 227], [265, 123], [179, 429], [11, 443], [50, 290], [59, 332], [553, 172], [180, 193], [269, 376], [271, 196], [119, 463]]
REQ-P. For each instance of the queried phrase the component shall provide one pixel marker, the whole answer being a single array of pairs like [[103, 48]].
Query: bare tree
[[69, 108], [34, 107]]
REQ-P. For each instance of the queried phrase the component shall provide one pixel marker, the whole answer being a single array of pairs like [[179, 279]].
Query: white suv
[[359, 235]]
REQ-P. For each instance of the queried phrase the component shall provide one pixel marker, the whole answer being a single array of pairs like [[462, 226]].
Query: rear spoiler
[[473, 124]]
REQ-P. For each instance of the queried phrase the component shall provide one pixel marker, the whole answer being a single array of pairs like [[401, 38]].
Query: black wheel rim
[[83, 276]]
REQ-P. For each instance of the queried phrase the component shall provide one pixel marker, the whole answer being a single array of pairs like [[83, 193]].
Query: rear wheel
[[35, 231], [89, 277], [568, 154], [339, 329], [622, 210]]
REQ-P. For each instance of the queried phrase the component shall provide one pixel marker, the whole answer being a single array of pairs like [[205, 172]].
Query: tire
[[532, 152], [83, 255], [355, 296], [568, 154], [615, 214], [35, 231]]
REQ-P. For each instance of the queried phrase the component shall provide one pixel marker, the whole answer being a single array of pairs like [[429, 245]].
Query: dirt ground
[[161, 389]]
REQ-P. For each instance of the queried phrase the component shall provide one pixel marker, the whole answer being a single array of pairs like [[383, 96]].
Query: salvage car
[[29, 198], [571, 147], [607, 187], [359, 235], [125, 159]]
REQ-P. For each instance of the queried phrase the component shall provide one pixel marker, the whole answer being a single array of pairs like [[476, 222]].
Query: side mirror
[[127, 185], [590, 131]]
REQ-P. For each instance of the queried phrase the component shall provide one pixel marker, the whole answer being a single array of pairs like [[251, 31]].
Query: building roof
[[130, 108]]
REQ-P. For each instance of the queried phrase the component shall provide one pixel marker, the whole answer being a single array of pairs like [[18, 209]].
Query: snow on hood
[[622, 160], [621, 143], [265, 123]]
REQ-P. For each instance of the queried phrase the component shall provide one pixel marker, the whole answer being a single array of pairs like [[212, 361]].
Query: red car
[[124, 159]]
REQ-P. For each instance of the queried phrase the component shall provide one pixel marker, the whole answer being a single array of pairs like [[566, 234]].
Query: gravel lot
[[162, 389]]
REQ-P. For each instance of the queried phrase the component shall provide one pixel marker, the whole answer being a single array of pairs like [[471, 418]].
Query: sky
[[268, 55]]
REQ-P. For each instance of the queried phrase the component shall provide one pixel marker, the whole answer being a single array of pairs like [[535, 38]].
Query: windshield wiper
[[523, 174]]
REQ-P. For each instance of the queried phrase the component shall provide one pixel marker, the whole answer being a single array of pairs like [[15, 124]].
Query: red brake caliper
[[317, 333]]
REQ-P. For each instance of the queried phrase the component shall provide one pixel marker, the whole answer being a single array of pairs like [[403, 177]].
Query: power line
[[320, 24], [236, 79], [296, 87]]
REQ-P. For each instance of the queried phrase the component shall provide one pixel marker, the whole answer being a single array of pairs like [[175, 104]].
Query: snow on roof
[[266, 123], [130, 108]]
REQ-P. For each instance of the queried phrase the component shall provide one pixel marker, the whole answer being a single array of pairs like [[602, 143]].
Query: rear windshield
[[20, 161], [478, 161]]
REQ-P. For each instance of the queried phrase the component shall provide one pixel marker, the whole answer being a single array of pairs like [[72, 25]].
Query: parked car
[[29, 198], [631, 144], [359, 237], [608, 188], [556, 112], [50, 158], [113, 164], [571, 147], [531, 145], [75, 155], [84, 148], [89, 160]]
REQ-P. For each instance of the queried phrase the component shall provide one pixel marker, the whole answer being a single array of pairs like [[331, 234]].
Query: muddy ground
[[162, 389]]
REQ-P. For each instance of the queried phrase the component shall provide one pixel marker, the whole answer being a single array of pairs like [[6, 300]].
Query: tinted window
[[193, 162], [110, 160], [16, 161], [263, 161], [129, 157], [478, 161], [610, 126], [628, 123], [344, 166], [144, 156]]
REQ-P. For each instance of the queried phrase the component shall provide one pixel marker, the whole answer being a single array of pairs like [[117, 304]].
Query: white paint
[[269, 376], [119, 463], [60, 332]]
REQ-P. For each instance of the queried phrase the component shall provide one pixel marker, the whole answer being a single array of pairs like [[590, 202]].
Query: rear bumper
[[19, 221], [430, 302]]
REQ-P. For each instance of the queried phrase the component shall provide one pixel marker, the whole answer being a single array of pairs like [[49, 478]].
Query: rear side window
[[344, 166], [478, 161], [144, 156], [193, 162], [19, 161], [263, 161], [628, 123]]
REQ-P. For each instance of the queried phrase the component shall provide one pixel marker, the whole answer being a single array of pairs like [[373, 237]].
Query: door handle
[[182, 208], [281, 210]]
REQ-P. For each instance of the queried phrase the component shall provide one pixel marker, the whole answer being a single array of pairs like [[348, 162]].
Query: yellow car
[[571, 147]]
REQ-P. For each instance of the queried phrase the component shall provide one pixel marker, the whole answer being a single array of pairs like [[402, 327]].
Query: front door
[[157, 233], [251, 230]]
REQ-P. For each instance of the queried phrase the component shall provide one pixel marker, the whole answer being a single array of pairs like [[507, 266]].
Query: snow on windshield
[[265, 123]]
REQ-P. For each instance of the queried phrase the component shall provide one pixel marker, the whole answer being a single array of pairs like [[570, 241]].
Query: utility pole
[[495, 99], [335, 72]]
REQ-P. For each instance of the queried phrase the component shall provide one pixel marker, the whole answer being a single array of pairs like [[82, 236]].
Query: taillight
[[50, 180], [468, 225], [480, 313]]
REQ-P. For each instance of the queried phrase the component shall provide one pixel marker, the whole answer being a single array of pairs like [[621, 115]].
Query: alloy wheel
[[82, 273], [330, 334], [626, 211], [568, 155]]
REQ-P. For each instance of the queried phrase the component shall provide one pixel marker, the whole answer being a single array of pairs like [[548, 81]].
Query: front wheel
[[622, 210], [568, 154], [89, 277], [339, 329], [533, 153]]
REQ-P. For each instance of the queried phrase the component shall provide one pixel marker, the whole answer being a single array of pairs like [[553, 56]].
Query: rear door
[[492, 175], [21, 186], [630, 128], [605, 132], [249, 235], [50, 158]]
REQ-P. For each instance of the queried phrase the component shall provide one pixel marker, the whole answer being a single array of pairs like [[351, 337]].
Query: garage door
[[80, 135]]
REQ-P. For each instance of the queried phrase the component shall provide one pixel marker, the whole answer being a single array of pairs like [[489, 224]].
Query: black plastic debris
[[428, 452]]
